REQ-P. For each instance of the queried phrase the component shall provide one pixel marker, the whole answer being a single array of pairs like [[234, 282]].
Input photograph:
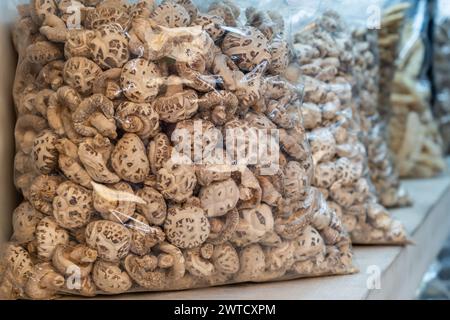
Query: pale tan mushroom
[[17, 268], [144, 271], [141, 119], [141, 80], [223, 231], [80, 73], [106, 13], [253, 225], [54, 28], [325, 174], [159, 152], [39, 9], [77, 260], [186, 227], [44, 282], [94, 161], [323, 145], [226, 9], [171, 14], [154, 208], [176, 182], [250, 192], [248, 48], [143, 236], [42, 191], [110, 239], [43, 52], [72, 206], [28, 127], [197, 265], [129, 159], [110, 278], [109, 48], [225, 258], [252, 263], [48, 236], [95, 115], [44, 152], [212, 24], [25, 219], [219, 198], [280, 257], [177, 104], [77, 43], [309, 244]]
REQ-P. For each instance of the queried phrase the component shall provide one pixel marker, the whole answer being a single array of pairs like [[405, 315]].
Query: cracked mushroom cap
[[222, 231], [279, 49], [110, 239], [72, 206], [43, 52], [296, 181], [225, 258], [323, 145], [309, 244], [81, 258], [248, 48], [107, 13], [253, 225], [177, 104], [280, 256], [159, 152], [176, 182], [129, 159], [186, 227], [348, 171], [42, 191], [172, 15], [40, 9], [219, 198], [44, 152], [44, 282], [25, 219], [325, 174], [80, 74], [110, 278], [143, 236], [138, 118], [252, 263], [140, 80], [212, 24], [109, 48], [16, 267], [155, 208], [116, 203], [77, 43], [48, 236]]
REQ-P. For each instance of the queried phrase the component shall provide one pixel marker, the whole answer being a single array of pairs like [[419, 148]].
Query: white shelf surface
[[400, 268]]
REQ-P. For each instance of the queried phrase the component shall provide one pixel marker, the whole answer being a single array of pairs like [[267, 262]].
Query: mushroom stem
[[52, 280], [83, 254], [105, 126], [174, 86]]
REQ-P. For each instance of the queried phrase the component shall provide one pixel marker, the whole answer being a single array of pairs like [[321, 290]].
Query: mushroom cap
[[159, 152], [186, 227], [106, 13], [144, 273], [140, 80], [39, 9], [72, 206], [279, 49], [225, 258], [129, 159], [141, 119], [171, 15], [115, 203], [77, 43], [189, 6], [143, 236], [45, 153], [110, 239], [80, 73], [44, 283], [42, 191], [25, 219], [219, 197], [176, 182], [177, 107], [110, 278], [28, 126], [155, 208], [280, 256], [197, 265], [65, 263], [252, 263], [309, 244], [43, 52], [248, 48], [212, 24], [253, 225], [16, 264], [325, 174], [296, 181], [48, 236], [109, 48]]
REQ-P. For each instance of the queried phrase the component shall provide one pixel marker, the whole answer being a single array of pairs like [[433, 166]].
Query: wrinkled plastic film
[[136, 153]]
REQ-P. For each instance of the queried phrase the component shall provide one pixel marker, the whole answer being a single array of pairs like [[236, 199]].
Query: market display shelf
[[386, 272]]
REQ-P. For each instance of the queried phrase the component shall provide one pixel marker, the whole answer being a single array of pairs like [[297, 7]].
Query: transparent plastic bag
[[383, 170], [159, 148], [325, 58], [441, 69], [414, 135]]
